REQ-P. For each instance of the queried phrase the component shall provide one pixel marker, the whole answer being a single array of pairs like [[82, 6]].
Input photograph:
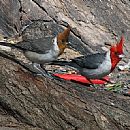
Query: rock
[[125, 67], [9, 17]]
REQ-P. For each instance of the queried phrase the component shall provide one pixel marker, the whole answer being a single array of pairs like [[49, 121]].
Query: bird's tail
[[11, 45], [65, 63]]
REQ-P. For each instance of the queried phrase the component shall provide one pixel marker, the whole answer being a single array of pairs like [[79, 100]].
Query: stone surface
[[93, 22], [9, 17]]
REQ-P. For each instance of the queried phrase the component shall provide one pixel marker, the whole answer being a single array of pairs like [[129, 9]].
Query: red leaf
[[81, 79]]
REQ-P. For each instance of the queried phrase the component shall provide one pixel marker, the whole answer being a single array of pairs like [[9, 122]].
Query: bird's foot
[[44, 74], [108, 81], [91, 83], [42, 71]]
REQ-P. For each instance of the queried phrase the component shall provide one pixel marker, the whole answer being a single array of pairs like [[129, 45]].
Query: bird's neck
[[114, 60], [61, 46]]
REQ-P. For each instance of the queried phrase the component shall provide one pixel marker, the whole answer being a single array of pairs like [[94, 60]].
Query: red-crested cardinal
[[96, 66], [45, 50]]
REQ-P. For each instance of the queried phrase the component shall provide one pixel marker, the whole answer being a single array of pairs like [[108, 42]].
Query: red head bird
[[96, 66], [116, 53]]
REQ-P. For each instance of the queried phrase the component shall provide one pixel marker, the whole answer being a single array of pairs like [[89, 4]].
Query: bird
[[98, 65], [43, 50]]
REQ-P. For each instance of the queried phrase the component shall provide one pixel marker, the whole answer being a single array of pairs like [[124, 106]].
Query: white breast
[[51, 55], [101, 71]]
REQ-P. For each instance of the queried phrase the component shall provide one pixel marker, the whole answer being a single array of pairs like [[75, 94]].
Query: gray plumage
[[90, 61], [40, 46], [92, 66]]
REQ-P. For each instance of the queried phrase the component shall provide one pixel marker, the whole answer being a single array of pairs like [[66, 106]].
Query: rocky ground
[[120, 77], [94, 23]]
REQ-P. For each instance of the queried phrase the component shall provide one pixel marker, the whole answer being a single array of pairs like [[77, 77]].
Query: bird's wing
[[37, 45], [90, 61]]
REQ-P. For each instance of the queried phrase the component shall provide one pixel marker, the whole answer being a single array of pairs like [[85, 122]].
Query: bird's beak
[[121, 56]]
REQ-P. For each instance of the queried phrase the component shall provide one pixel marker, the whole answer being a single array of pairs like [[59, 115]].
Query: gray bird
[[45, 50]]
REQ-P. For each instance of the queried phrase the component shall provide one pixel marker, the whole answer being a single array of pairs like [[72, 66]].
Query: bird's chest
[[102, 70], [46, 57], [50, 55], [54, 52]]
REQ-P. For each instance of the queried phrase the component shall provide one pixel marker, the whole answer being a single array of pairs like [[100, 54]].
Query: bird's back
[[90, 61], [40, 46], [95, 66]]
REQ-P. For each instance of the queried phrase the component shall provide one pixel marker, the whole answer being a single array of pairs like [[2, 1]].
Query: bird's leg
[[91, 83], [48, 74], [89, 80], [42, 70], [106, 80]]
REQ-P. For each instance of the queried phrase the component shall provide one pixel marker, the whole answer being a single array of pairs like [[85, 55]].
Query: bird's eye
[[52, 40], [63, 41], [116, 53]]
